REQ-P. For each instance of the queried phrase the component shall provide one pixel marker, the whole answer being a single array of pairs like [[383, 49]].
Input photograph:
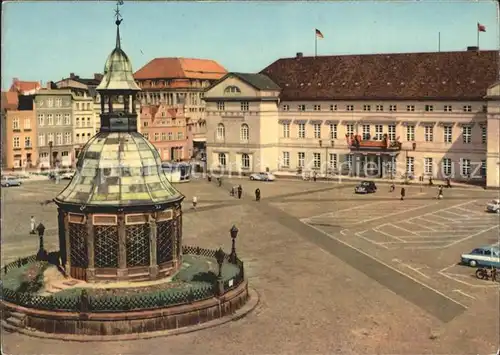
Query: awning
[[199, 139]]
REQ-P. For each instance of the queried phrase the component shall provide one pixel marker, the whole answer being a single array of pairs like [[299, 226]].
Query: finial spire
[[118, 21]]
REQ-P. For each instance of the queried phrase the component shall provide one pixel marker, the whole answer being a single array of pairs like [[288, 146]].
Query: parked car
[[10, 181], [263, 177], [493, 206], [68, 175], [365, 187], [487, 256]]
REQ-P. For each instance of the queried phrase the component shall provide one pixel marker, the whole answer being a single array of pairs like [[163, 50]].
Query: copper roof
[[443, 75], [179, 68]]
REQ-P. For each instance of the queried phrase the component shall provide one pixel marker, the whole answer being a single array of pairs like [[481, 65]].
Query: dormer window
[[232, 90]]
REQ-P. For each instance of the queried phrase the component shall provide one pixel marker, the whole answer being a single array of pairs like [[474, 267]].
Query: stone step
[[18, 315], [15, 322], [7, 327]]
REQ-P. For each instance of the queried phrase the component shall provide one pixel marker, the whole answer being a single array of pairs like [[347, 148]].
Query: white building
[[414, 114]]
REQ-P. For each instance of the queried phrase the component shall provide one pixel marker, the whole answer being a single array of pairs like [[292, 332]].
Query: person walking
[[257, 194], [315, 176], [392, 188], [240, 191], [195, 202], [219, 181], [440, 192], [32, 225], [403, 193]]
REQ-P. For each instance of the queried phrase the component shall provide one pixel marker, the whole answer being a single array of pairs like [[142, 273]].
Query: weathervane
[[118, 16]]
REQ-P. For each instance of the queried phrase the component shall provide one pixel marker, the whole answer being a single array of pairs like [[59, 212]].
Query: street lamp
[[41, 251], [219, 256], [50, 154], [234, 233]]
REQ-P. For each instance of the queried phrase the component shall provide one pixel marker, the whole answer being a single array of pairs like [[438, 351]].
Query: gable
[[232, 87]]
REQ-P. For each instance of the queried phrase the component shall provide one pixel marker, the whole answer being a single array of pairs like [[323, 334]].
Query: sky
[[43, 41]]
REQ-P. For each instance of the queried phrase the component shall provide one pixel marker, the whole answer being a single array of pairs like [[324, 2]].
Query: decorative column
[[122, 271], [153, 262], [67, 252], [90, 249]]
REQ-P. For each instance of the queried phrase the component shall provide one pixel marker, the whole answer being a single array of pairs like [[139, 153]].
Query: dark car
[[365, 187]]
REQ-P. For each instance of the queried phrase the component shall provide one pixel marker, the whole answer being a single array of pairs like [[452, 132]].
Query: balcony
[[356, 142]]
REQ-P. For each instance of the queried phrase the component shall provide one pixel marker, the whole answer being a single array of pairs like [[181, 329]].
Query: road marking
[[388, 234], [420, 225], [331, 214], [465, 283], [417, 242], [392, 268], [465, 294], [394, 214], [472, 236], [397, 227], [445, 218], [416, 270], [344, 231], [469, 211], [432, 222], [360, 235]]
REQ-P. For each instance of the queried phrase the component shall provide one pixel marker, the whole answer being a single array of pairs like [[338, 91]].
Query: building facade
[[180, 83], [20, 134], [391, 116], [54, 109], [166, 127]]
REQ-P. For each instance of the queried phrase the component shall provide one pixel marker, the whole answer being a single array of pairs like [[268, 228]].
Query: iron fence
[[118, 303]]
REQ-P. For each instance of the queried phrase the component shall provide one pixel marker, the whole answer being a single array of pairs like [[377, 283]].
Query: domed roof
[[119, 169], [118, 74]]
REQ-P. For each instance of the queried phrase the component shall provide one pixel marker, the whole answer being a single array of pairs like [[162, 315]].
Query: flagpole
[[439, 41], [478, 36], [315, 43]]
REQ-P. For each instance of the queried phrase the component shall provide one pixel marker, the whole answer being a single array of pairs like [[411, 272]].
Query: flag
[[481, 28], [319, 34]]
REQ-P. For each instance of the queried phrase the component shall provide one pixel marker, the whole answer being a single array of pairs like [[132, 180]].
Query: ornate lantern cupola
[[118, 90]]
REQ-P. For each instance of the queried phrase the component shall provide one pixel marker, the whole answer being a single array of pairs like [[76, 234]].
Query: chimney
[[50, 84], [299, 55], [71, 75], [472, 48]]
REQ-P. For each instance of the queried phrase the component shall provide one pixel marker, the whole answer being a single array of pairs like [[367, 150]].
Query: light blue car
[[487, 256], [10, 181]]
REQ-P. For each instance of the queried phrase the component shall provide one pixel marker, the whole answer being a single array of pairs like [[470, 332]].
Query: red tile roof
[[10, 100], [179, 68], [444, 75], [24, 86]]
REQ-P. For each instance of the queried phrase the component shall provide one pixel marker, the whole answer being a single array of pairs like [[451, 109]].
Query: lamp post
[[234, 233], [219, 256], [41, 251], [50, 155]]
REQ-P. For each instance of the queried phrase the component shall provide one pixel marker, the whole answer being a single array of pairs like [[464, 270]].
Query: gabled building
[[18, 131], [413, 115], [166, 128], [25, 87], [180, 83]]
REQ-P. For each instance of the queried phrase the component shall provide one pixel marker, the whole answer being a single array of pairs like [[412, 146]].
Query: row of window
[[83, 122], [83, 106], [466, 165], [48, 120], [244, 132], [51, 102], [45, 155], [379, 132], [82, 138], [17, 142], [382, 108], [333, 162], [244, 106], [16, 125], [164, 136], [45, 139]]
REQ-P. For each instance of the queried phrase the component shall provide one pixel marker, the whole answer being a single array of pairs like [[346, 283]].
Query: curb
[[251, 304]]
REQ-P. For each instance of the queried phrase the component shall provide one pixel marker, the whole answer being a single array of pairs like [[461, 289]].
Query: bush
[[32, 279]]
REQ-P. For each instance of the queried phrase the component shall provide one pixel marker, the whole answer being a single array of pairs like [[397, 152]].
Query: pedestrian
[[392, 188], [448, 182], [315, 176], [209, 177], [403, 192], [219, 181], [431, 183], [195, 202], [32, 225], [240, 191], [257, 194], [440, 192]]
